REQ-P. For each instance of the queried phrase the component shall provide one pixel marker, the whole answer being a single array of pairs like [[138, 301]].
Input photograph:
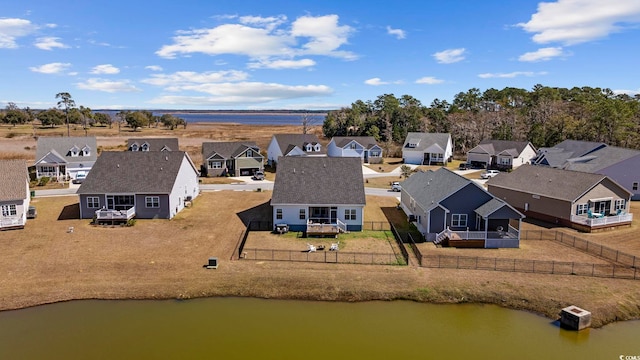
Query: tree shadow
[[70, 212], [261, 213]]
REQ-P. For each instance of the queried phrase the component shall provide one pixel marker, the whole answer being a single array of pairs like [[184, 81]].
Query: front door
[[334, 215]]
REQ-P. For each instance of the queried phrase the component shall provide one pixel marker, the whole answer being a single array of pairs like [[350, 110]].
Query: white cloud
[[627, 92], [450, 56], [49, 43], [11, 29], [282, 64], [51, 68], [110, 86], [511, 74], [430, 80], [576, 21], [375, 82], [153, 67], [105, 69], [265, 38], [542, 54], [242, 93], [187, 78], [398, 33]]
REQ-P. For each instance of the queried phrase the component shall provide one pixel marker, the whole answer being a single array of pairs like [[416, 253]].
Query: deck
[[115, 216], [322, 229]]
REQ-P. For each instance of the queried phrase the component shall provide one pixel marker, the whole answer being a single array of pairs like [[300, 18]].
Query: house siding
[[625, 173], [555, 209], [20, 219], [185, 185], [291, 216], [465, 201], [143, 212], [214, 171], [273, 152]]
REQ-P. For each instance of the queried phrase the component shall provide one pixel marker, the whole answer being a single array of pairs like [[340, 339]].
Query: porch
[[111, 216], [598, 220], [12, 222], [323, 229], [509, 238]]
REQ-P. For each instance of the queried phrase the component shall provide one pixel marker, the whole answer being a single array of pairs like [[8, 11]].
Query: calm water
[[242, 118], [239, 328]]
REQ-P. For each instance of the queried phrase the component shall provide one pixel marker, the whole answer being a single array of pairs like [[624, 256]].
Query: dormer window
[[316, 147], [73, 151], [249, 153], [412, 143], [144, 147], [308, 147], [85, 151], [134, 147]]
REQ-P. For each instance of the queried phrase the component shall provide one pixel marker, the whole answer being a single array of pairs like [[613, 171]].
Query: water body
[[243, 118], [244, 328]]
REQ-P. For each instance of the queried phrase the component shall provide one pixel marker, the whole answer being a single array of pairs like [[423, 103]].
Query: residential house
[[501, 154], [152, 144], [363, 147], [557, 156], [427, 148], [14, 194], [63, 158], [319, 195], [231, 158], [293, 145], [580, 200], [141, 184], [445, 206]]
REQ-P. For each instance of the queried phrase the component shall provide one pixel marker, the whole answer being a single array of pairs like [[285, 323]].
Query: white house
[[501, 154], [315, 193], [427, 148], [363, 147], [62, 158], [14, 194], [293, 145]]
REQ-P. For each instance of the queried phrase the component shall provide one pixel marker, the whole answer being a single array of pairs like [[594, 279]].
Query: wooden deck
[[322, 230], [114, 216]]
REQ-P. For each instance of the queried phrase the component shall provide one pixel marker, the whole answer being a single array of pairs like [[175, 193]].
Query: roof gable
[[286, 141], [366, 142], [63, 145], [154, 144], [423, 141], [429, 188], [228, 149]]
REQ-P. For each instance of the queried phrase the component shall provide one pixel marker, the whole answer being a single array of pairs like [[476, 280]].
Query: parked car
[[395, 186], [32, 212], [259, 175], [464, 166], [489, 174], [80, 178]]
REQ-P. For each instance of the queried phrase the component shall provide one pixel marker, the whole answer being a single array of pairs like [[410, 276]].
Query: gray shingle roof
[[547, 181], [427, 139], [600, 159], [430, 187], [492, 206], [493, 147], [13, 180], [319, 180], [227, 150], [133, 172], [62, 145], [557, 155], [299, 140], [366, 141], [155, 144]]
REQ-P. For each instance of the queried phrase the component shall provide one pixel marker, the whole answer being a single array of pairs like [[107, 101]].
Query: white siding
[[412, 157], [525, 156], [186, 184], [273, 151]]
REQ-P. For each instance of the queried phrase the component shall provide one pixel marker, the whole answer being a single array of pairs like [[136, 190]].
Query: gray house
[[293, 145], [501, 154], [580, 200], [447, 207], [141, 184], [62, 158], [14, 194], [231, 158], [152, 144], [363, 147], [319, 195]]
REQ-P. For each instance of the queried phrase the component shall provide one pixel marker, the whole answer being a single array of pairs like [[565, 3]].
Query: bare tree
[[307, 122]]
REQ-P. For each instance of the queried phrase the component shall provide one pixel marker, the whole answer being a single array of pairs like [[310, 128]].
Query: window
[[249, 153], [279, 214], [352, 146], [303, 214], [350, 214], [47, 169], [459, 220], [9, 210], [144, 147], [582, 209], [620, 204], [215, 164], [152, 201], [134, 147], [505, 161], [635, 186], [375, 153], [93, 202]]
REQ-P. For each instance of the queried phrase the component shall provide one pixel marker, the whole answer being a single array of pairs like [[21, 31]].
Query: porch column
[[519, 227], [486, 227]]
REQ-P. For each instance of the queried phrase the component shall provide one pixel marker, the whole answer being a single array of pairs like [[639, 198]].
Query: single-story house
[[293, 145], [427, 148], [580, 200], [363, 147], [152, 144], [233, 158], [501, 154], [63, 158], [14, 194], [319, 195], [445, 206], [140, 184]]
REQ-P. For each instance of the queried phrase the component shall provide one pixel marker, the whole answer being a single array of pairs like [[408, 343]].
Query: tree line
[[544, 116], [67, 113]]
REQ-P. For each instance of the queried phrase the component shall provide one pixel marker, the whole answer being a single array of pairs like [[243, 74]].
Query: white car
[[489, 174], [395, 186]]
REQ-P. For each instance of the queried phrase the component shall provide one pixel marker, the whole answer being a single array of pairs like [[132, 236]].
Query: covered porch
[[323, 220], [119, 209]]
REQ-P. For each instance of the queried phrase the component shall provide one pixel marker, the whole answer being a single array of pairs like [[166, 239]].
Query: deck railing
[[11, 221], [104, 214], [601, 221]]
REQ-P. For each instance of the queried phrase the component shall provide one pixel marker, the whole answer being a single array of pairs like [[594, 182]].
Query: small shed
[[575, 318]]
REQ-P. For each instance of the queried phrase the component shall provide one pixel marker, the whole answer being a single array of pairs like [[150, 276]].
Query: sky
[[313, 55]]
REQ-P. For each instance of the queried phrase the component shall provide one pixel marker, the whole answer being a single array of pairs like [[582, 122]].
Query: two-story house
[[235, 158]]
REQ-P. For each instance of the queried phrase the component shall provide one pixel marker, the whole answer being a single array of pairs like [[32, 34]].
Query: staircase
[[441, 237]]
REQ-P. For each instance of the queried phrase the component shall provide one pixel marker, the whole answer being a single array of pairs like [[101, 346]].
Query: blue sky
[[307, 54]]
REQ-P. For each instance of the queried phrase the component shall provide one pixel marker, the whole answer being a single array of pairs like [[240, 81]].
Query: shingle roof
[[492, 206], [427, 139], [557, 155], [546, 181], [493, 147], [13, 180], [155, 144], [366, 141], [299, 140], [133, 172], [319, 180], [600, 159], [430, 187], [227, 150], [62, 145]]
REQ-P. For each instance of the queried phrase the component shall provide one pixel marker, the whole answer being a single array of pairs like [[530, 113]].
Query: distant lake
[[242, 117]]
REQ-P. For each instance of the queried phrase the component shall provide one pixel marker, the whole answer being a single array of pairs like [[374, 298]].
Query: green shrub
[[131, 222], [44, 181]]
